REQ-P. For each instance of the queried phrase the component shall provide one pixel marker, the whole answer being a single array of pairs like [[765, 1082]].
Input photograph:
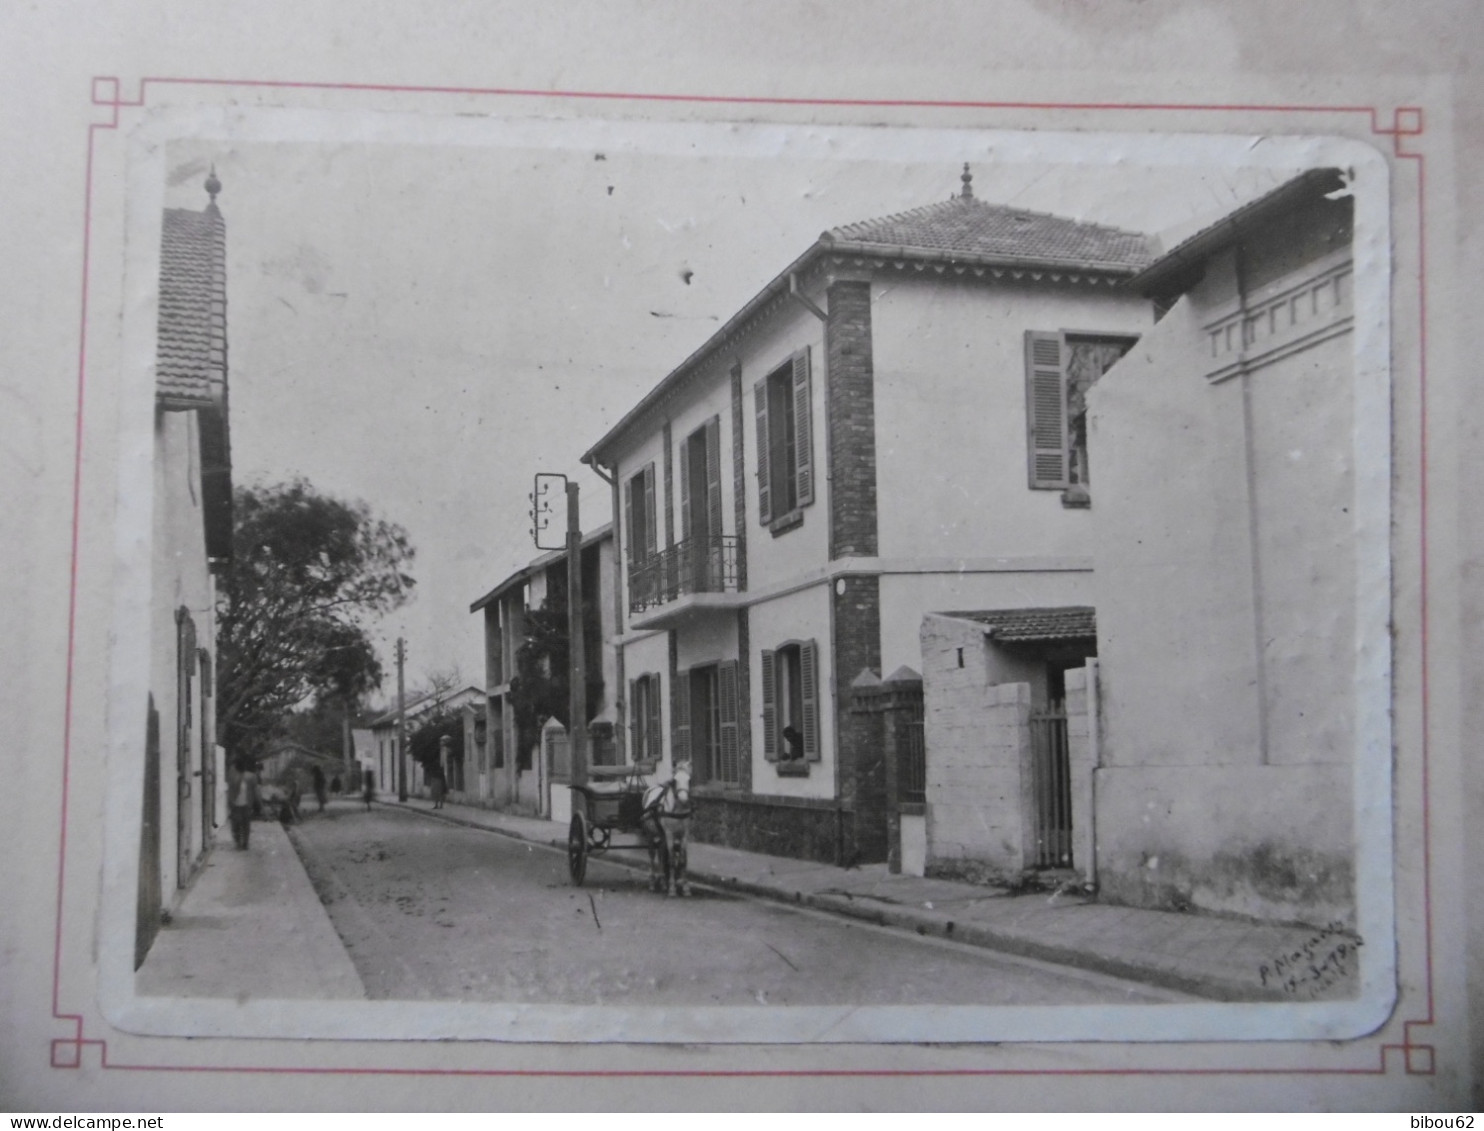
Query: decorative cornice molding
[[1293, 316]]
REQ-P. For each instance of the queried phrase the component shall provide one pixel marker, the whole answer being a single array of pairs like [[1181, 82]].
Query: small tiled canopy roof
[[967, 226], [1027, 626], [191, 355]]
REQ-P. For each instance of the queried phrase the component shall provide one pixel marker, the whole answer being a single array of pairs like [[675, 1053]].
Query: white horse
[[666, 825]]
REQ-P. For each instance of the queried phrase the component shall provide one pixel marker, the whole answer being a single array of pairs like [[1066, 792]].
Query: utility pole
[[577, 731], [401, 722], [576, 640]]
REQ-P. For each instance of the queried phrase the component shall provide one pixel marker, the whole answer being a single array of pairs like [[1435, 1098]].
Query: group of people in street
[[246, 794]]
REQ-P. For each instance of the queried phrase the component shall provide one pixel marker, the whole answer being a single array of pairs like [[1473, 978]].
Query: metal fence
[[697, 565], [912, 763], [1052, 783]]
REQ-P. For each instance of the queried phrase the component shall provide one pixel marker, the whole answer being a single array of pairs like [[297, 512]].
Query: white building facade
[[185, 771]]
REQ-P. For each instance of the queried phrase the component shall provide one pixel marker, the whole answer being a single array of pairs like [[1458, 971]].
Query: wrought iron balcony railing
[[697, 565]]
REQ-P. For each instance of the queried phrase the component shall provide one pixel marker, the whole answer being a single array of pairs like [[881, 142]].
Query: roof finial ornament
[[968, 180], [213, 186]]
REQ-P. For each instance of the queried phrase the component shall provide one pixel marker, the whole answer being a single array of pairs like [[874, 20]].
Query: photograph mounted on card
[[591, 580]]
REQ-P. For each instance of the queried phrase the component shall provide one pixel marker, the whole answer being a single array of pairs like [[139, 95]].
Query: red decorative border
[[1417, 1059]]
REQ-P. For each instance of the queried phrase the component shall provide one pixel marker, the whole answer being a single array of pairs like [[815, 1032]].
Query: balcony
[[692, 577]]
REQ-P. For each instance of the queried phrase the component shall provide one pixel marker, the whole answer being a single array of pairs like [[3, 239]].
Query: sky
[[426, 319]]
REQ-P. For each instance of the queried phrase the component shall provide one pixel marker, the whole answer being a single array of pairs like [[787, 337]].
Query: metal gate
[[912, 757], [1052, 786]]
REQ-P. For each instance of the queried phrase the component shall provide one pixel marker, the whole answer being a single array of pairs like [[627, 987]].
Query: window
[[702, 565], [706, 723], [641, 536], [644, 719], [642, 530], [1059, 369], [791, 705], [785, 466]]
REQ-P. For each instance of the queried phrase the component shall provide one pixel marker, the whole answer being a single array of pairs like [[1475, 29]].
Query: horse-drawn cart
[[611, 802]]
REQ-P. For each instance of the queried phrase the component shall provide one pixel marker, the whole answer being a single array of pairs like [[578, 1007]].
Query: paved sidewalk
[[250, 925], [1217, 958]]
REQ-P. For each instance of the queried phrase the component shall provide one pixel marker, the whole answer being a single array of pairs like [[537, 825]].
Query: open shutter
[[651, 519], [684, 469], [803, 439], [633, 540], [809, 679], [764, 454], [726, 682], [1046, 410], [680, 724], [713, 479], [652, 743], [635, 725], [770, 708]]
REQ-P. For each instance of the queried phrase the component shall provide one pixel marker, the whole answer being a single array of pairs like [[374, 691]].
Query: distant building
[[385, 759], [516, 772], [892, 426], [184, 770]]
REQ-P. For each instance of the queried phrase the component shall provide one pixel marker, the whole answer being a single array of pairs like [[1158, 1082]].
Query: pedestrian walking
[[288, 809], [335, 785], [242, 799], [318, 775], [436, 781], [368, 787]]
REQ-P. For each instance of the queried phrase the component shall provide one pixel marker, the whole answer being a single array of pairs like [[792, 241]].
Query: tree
[[543, 671], [440, 720], [425, 742], [308, 573]]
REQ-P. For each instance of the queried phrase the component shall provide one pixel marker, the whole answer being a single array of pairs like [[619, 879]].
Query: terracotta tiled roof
[[191, 355], [963, 231], [1023, 626], [984, 231]]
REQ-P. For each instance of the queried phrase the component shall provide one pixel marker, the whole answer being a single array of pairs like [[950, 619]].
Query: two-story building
[[518, 773], [892, 425], [184, 771]]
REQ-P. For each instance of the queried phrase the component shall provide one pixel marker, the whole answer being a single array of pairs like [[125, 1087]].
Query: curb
[[934, 925]]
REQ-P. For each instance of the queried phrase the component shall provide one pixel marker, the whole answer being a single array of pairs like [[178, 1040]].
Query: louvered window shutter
[[684, 470], [764, 454], [809, 680], [651, 519], [713, 480], [803, 437], [726, 682], [633, 540], [770, 707], [636, 730], [1046, 410], [680, 748], [652, 751]]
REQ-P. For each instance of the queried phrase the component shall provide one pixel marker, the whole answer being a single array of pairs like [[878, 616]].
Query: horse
[[665, 821]]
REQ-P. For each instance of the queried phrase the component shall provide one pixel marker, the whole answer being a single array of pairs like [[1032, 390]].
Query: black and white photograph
[[632, 556], [597, 580]]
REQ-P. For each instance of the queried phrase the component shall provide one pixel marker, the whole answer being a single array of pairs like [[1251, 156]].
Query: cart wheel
[[577, 848]]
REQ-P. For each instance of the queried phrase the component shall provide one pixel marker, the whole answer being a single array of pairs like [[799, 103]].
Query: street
[[430, 910]]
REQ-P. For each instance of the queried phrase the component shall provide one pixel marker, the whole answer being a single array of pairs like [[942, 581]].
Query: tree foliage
[[309, 573], [424, 744], [540, 688]]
